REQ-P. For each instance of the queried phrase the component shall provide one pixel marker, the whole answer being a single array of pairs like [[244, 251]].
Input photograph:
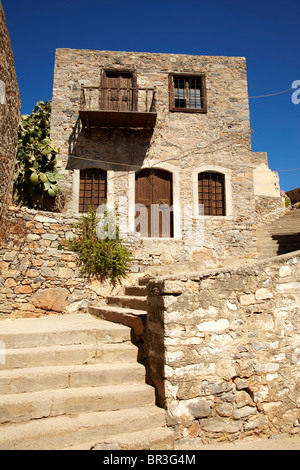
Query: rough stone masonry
[[182, 143], [9, 114], [36, 276], [224, 349]]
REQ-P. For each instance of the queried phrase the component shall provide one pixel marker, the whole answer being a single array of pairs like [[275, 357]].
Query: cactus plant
[[36, 175]]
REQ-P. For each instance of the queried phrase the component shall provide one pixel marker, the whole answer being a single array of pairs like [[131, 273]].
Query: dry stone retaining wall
[[224, 349], [37, 272]]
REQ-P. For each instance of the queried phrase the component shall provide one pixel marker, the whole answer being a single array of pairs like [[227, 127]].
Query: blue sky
[[266, 32]]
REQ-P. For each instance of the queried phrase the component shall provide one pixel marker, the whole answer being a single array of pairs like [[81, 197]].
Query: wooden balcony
[[107, 107]]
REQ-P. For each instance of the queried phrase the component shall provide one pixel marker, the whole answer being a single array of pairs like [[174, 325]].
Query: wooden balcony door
[[118, 91], [154, 200]]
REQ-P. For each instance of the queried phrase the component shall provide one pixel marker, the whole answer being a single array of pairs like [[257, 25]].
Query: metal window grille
[[93, 189], [188, 92], [211, 192]]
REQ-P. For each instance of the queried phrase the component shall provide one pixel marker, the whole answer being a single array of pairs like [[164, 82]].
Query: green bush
[[287, 202], [100, 249], [36, 175]]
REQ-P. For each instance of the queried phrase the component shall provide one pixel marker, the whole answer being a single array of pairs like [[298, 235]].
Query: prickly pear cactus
[[36, 175]]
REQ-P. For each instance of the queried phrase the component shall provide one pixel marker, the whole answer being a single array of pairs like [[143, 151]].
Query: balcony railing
[[117, 107]]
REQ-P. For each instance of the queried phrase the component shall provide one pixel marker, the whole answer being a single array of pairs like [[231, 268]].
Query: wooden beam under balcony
[[119, 107], [120, 119]]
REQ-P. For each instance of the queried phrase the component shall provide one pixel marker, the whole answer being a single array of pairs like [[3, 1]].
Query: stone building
[[294, 195], [165, 140], [9, 114]]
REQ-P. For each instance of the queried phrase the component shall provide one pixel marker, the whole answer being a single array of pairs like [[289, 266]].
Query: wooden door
[[154, 199], [118, 91]]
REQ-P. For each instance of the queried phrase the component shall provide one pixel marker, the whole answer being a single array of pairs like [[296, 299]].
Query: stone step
[[22, 407], [143, 281], [268, 244], [135, 319], [149, 439], [278, 248], [70, 380], [279, 237], [287, 222], [60, 330], [136, 291], [63, 431], [126, 301], [66, 355], [73, 376], [280, 240], [292, 233]]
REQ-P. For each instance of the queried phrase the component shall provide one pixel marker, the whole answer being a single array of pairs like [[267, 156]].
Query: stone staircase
[[279, 237], [73, 382], [129, 309]]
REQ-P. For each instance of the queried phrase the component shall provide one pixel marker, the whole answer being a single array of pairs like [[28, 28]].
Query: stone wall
[[268, 209], [294, 195], [9, 114], [38, 275], [224, 349], [182, 143], [34, 258]]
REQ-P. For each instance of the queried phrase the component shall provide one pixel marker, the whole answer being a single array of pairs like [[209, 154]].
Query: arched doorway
[[154, 203]]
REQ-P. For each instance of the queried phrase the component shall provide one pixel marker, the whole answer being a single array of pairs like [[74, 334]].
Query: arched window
[[211, 193], [93, 189]]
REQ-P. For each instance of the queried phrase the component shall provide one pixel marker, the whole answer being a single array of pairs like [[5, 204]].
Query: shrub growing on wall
[[101, 252], [36, 175]]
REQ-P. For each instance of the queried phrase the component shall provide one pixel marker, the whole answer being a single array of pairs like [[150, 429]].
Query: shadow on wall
[[116, 149], [287, 243], [155, 344]]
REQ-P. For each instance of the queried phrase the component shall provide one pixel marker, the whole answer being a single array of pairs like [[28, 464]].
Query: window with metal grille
[[93, 189], [187, 93], [211, 193]]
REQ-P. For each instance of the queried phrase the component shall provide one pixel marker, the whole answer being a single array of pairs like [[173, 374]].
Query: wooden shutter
[[118, 91], [211, 191], [154, 187], [143, 201], [93, 189]]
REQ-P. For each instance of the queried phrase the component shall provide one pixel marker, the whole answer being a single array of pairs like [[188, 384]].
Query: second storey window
[[187, 93]]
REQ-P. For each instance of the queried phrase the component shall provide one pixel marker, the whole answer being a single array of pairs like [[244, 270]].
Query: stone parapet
[[38, 275], [224, 349]]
